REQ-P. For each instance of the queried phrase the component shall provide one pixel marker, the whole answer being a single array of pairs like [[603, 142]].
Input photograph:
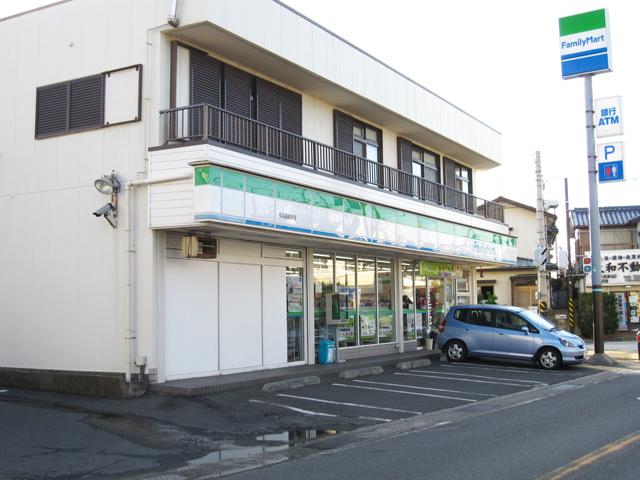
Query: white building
[[263, 163]]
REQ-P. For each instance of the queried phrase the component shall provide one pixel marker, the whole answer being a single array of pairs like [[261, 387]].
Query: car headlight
[[567, 343]]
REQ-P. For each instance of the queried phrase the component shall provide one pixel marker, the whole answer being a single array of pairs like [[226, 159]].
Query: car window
[[479, 317], [509, 321]]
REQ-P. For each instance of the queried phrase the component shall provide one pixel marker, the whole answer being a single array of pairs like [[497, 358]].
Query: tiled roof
[[609, 216]]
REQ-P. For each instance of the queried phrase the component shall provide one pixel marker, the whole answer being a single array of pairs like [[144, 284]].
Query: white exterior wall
[[523, 225], [64, 270]]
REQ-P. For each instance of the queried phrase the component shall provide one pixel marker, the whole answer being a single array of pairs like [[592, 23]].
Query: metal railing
[[204, 122]]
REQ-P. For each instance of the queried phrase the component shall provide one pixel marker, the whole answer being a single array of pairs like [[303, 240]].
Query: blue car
[[508, 332]]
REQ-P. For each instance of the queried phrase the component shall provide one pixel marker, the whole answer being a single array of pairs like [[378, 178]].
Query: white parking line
[[511, 369], [423, 388], [4, 391], [483, 377], [375, 419], [464, 379], [405, 393], [359, 405], [299, 410]]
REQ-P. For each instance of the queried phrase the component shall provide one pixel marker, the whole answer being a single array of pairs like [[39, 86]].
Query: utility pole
[[542, 249]]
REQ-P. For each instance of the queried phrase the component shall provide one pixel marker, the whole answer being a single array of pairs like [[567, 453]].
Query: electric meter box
[[337, 308]]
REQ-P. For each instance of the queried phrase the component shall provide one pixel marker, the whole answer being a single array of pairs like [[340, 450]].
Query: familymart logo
[[584, 44]]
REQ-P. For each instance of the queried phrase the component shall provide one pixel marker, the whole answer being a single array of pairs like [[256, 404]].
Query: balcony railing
[[205, 122]]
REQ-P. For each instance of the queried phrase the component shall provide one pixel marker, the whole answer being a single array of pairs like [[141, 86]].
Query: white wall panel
[[191, 318], [122, 93], [274, 315], [240, 316]]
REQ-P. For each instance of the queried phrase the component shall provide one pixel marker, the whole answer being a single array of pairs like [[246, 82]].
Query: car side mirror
[[525, 330]]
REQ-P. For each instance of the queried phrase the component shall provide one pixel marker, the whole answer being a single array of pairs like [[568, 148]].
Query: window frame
[[366, 141], [424, 165]]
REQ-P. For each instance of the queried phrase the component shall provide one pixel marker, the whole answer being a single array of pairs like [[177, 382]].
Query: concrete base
[[94, 384], [601, 359]]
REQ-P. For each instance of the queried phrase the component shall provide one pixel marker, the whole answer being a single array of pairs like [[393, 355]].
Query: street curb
[[361, 372], [291, 383], [425, 362]]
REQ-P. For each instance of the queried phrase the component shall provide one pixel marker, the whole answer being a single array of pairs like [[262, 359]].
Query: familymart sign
[[585, 44]]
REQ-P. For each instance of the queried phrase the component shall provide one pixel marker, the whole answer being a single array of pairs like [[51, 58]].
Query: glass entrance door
[[295, 314]]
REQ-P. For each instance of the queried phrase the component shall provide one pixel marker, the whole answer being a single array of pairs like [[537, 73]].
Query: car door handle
[[467, 329], [500, 333]]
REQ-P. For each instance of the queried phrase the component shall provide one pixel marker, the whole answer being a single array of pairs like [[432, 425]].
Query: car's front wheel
[[456, 351], [549, 358]]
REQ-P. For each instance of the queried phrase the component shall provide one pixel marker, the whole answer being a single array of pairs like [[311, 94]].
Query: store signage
[[608, 117], [226, 195], [619, 267], [437, 269], [610, 162], [585, 44]]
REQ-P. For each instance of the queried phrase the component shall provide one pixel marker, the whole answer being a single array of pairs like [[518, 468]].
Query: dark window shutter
[[291, 111], [449, 173], [406, 183], [343, 132], [86, 100], [238, 88], [205, 79], [404, 155], [268, 103], [51, 109]]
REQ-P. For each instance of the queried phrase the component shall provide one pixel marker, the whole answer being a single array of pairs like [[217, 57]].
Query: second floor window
[[457, 176], [365, 142], [354, 136], [425, 164]]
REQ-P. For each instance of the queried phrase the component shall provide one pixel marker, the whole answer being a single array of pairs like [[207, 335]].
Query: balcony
[[206, 123]]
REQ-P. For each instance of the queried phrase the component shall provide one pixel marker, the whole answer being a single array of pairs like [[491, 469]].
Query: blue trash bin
[[326, 351]]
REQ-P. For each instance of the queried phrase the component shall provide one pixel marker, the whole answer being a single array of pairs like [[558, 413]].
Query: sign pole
[[594, 220]]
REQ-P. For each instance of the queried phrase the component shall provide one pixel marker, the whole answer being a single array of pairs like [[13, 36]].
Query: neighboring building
[[264, 164], [517, 284], [619, 256]]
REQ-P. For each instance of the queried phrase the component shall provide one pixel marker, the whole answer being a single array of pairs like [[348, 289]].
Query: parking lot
[[399, 394], [46, 434]]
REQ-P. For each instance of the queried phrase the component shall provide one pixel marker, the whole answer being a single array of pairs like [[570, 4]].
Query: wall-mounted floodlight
[[108, 185]]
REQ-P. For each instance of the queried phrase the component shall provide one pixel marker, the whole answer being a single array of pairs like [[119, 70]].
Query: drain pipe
[[131, 299]]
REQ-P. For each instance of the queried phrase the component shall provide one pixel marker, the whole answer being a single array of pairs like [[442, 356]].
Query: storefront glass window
[[367, 300], [422, 306], [408, 302], [345, 268], [295, 314], [385, 300], [322, 284]]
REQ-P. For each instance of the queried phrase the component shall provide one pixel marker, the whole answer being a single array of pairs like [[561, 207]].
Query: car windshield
[[539, 321]]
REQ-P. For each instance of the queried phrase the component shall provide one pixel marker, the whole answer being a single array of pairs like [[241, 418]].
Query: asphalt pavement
[[53, 435]]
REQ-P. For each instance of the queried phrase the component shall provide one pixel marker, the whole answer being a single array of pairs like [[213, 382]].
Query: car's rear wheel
[[549, 358], [456, 351]]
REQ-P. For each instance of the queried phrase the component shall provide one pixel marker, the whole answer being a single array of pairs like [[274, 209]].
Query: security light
[[107, 184]]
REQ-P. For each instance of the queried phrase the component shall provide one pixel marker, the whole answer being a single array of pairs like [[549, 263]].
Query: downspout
[[172, 18], [131, 323]]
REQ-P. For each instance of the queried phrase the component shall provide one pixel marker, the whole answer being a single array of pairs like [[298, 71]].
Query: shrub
[[585, 314]]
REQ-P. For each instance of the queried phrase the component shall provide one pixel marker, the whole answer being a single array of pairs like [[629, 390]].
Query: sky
[[499, 61]]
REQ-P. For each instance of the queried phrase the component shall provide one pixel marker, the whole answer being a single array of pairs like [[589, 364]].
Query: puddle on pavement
[[273, 442]]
